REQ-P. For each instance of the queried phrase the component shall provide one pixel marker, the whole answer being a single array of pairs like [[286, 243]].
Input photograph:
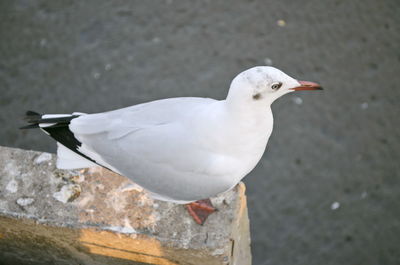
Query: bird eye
[[276, 86]]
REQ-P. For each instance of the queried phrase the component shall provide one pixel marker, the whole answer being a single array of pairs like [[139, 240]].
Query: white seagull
[[182, 150]]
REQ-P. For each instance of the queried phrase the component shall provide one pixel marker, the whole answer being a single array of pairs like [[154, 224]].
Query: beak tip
[[306, 85]]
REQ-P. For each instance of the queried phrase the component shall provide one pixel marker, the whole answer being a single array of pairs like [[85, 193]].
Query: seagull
[[182, 150]]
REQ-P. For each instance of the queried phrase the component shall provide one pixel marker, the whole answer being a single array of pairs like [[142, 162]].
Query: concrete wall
[[92, 216]]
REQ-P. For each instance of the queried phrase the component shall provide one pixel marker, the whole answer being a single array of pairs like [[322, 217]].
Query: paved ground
[[339, 148]]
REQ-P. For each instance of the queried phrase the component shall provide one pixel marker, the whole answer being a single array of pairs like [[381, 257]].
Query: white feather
[[44, 125], [119, 123], [86, 150], [50, 116], [67, 159]]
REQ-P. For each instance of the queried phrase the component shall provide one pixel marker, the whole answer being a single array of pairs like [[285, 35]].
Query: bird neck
[[249, 128], [251, 118], [244, 108]]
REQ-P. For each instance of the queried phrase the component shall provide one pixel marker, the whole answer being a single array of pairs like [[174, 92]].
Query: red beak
[[306, 85]]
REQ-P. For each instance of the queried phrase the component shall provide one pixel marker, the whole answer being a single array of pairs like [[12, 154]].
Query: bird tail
[[32, 118], [37, 120], [57, 126]]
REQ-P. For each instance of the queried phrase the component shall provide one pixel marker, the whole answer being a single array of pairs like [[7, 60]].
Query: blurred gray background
[[327, 188]]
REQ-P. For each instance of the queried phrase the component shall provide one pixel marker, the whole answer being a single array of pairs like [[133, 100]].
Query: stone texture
[[93, 216]]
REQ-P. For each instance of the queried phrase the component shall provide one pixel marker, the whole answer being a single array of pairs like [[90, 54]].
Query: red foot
[[200, 210]]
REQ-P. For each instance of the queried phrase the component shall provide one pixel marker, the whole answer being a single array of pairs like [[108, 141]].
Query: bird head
[[264, 84]]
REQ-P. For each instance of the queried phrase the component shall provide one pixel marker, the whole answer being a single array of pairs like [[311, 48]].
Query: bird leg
[[200, 210]]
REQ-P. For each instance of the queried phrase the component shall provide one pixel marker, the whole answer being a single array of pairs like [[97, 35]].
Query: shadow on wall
[[28, 243]]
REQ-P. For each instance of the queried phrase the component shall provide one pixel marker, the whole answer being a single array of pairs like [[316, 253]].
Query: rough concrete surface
[[327, 188], [93, 216]]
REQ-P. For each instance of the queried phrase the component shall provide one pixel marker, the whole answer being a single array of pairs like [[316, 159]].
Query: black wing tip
[[33, 118], [30, 126], [32, 113]]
